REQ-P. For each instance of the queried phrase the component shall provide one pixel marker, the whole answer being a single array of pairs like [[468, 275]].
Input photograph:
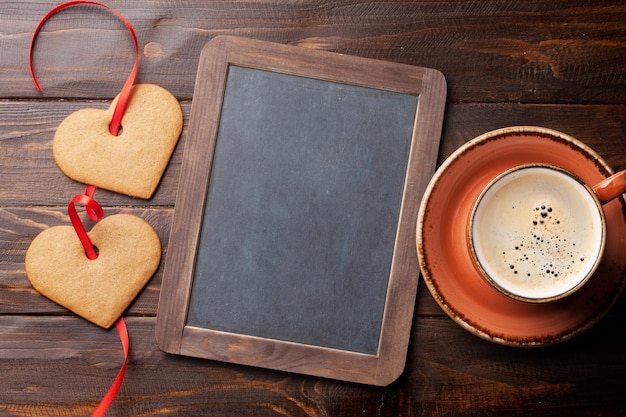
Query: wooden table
[[558, 64]]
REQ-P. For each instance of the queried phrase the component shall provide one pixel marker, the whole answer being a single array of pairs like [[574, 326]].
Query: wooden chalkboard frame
[[172, 332]]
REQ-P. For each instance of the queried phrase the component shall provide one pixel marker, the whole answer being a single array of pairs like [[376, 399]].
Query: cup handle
[[610, 188]]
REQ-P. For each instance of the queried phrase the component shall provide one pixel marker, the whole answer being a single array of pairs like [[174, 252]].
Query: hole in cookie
[[96, 252], [120, 130]]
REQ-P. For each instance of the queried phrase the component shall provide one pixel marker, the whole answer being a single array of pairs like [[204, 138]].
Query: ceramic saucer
[[447, 265]]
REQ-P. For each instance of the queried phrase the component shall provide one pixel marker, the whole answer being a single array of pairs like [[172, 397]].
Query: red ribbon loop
[[124, 95], [95, 213]]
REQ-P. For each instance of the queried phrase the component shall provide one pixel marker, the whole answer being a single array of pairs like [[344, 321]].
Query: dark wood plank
[[602, 128], [506, 51], [576, 378], [62, 366], [30, 177]]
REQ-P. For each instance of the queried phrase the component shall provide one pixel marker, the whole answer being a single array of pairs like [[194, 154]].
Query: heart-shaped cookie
[[129, 252], [131, 163]]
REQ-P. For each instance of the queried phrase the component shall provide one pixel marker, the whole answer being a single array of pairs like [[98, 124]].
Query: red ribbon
[[93, 209], [116, 120], [108, 398], [95, 213]]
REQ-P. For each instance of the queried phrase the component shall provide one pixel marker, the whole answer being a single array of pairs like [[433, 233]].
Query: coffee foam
[[537, 232]]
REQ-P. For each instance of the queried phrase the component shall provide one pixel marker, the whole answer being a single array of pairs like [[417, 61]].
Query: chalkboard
[[293, 237]]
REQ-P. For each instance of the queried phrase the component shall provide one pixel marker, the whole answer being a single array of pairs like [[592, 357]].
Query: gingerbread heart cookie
[[131, 163], [99, 290]]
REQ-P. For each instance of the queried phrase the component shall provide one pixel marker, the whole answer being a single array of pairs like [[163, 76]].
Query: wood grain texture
[[27, 128], [61, 366], [490, 51], [558, 64]]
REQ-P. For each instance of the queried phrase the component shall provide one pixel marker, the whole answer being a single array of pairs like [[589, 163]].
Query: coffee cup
[[537, 232]]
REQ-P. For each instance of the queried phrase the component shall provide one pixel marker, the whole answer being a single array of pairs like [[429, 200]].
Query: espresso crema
[[537, 232]]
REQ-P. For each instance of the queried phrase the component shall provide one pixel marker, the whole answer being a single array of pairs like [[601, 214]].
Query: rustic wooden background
[[558, 64]]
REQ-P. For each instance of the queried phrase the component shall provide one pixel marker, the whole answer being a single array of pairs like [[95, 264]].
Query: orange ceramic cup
[[449, 271], [537, 232]]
